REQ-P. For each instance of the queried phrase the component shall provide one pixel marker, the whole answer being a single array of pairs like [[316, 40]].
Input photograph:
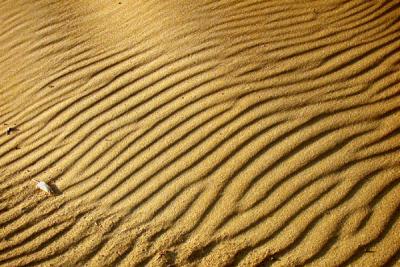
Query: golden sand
[[200, 133]]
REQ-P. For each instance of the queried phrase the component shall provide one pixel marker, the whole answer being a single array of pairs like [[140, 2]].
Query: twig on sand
[[10, 130]]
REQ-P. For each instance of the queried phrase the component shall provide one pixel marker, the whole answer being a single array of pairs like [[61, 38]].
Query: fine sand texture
[[200, 133]]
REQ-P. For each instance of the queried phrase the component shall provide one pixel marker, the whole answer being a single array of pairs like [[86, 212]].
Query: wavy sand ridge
[[210, 133]]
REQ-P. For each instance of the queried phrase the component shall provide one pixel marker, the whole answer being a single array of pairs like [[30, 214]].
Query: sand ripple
[[211, 133]]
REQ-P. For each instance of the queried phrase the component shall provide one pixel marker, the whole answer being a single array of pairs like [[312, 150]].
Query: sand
[[200, 133]]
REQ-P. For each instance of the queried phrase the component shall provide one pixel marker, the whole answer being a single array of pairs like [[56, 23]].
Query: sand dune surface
[[200, 133]]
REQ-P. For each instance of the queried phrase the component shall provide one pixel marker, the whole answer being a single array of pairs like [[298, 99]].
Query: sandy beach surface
[[200, 133]]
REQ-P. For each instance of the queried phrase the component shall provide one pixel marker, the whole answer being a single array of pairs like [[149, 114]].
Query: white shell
[[43, 186]]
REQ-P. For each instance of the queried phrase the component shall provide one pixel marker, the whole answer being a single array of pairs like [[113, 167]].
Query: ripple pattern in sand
[[211, 133]]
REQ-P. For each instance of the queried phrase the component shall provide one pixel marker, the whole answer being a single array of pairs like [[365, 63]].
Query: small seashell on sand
[[43, 186]]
